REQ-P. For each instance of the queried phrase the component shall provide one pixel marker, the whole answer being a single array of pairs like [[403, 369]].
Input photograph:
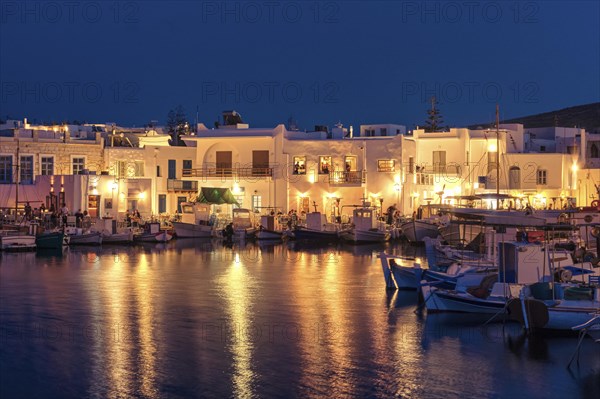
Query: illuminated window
[[350, 163], [325, 165], [299, 165], [386, 165]]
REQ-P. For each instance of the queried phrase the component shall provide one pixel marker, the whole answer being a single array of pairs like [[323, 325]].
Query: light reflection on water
[[199, 319]]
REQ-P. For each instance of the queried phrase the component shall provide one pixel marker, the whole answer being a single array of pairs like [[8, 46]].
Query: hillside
[[584, 116]]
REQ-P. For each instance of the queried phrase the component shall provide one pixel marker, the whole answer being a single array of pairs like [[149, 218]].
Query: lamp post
[[397, 188]]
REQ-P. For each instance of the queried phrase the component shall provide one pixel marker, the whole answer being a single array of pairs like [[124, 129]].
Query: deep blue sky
[[322, 62]]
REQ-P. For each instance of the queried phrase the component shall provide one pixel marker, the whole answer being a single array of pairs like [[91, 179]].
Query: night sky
[[357, 62]]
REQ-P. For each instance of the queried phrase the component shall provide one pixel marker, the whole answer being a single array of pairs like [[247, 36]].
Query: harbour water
[[199, 319]]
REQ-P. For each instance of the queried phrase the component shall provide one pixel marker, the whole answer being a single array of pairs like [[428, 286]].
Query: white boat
[[153, 233], [269, 228], [124, 237], [243, 225], [317, 229], [365, 227], [78, 237], [460, 234], [410, 277], [110, 233], [416, 230], [11, 240], [530, 278], [196, 221]]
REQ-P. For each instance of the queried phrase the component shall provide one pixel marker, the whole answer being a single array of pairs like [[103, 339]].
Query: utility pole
[[17, 182], [497, 156]]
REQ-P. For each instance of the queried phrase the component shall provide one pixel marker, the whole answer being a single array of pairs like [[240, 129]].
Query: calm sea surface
[[187, 319]]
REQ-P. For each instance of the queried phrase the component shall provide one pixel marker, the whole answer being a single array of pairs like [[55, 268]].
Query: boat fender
[[565, 276], [563, 218], [444, 220]]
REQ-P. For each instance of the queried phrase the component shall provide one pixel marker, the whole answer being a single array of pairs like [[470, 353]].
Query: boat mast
[[497, 157]]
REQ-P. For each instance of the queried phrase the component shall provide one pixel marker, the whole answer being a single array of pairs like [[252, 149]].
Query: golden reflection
[[325, 341], [236, 285], [114, 292], [144, 289]]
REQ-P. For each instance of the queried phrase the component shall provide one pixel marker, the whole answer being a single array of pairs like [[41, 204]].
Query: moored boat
[[196, 221], [16, 241], [153, 233], [51, 240], [365, 227], [79, 237], [416, 230]]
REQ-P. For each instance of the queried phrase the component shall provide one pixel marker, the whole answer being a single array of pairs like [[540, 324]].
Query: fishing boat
[[79, 237], [51, 240], [120, 238], [111, 234], [317, 229], [243, 225], [460, 233], [416, 230], [530, 276], [13, 240], [443, 275], [269, 228], [196, 221], [153, 233], [365, 227]]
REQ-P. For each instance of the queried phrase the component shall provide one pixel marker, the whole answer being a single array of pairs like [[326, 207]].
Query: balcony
[[352, 178], [228, 173], [182, 185], [447, 170]]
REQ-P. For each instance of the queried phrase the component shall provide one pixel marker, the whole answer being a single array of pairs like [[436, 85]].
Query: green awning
[[215, 195]]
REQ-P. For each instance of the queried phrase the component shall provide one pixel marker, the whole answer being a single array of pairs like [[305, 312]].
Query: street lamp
[[397, 188]]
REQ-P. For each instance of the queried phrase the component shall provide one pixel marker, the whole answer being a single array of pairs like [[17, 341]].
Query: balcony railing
[[228, 172], [347, 178], [182, 185], [450, 169]]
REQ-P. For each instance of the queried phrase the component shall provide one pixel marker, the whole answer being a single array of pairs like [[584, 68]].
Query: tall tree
[[177, 125], [434, 118]]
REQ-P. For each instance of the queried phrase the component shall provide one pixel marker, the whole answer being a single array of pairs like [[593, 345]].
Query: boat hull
[[17, 242], [118, 238], [365, 236], [86, 239], [53, 240], [162, 236], [460, 234], [189, 230], [264, 234], [416, 230], [438, 300], [315, 235]]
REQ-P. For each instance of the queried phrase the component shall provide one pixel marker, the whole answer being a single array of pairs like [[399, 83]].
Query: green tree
[[434, 118], [177, 125]]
